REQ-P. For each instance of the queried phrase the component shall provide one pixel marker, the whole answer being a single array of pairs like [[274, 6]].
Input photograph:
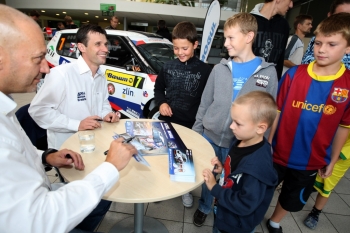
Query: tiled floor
[[335, 217]]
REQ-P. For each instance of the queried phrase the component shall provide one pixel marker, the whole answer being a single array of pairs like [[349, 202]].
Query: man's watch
[[45, 154]]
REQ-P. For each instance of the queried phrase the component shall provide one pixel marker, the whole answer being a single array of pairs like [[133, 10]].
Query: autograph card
[[138, 157]]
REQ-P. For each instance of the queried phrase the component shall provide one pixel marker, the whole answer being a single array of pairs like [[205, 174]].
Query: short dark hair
[[268, 1], [82, 34], [300, 20], [336, 23], [161, 24], [336, 3], [185, 30], [111, 18], [68, 19], [34, 13]]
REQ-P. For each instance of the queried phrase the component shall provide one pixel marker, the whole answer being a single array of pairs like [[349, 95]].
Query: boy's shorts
[[297, 187], [325, 186]]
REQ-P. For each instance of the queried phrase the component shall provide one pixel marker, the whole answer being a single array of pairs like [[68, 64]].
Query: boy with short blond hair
[[248, 179], [242, 73], [180, 83], [244, 21], [314, 118], [325, 186]]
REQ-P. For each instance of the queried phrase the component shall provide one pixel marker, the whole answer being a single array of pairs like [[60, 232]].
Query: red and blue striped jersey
[[312, 108]]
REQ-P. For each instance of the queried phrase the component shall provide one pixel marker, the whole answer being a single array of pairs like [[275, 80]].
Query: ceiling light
[[57, 14], [86, 13], [96, 16], [105, 19], [42, 11], [64, 12]]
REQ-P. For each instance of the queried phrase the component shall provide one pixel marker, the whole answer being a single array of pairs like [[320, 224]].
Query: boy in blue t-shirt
[[240, 74]]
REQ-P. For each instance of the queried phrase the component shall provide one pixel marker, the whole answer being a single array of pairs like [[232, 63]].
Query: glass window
[[67, 46], [157, 54]]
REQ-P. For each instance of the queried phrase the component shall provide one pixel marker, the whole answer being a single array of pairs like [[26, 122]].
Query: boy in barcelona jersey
[[314, 118]]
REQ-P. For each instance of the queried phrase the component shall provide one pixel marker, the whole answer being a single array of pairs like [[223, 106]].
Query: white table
[[140, 184]]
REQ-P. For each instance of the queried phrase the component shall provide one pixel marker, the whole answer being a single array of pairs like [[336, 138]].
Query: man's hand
[[60, 158], [209, 178], [91, 122], [119, 153], [165, 110], [111, 117], [217, 165]]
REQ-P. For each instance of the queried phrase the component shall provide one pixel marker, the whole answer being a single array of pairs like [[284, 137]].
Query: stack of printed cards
[[181, 166]]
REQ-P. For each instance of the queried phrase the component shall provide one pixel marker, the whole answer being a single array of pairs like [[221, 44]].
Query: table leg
[[139, 223], [138, 217]]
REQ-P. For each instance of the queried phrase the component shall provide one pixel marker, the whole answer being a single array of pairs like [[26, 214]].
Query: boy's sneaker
[[311, 222], [199, 218], [272, 229], [187, 200]]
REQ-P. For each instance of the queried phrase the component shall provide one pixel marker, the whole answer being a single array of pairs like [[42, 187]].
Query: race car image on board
[[131, 67]]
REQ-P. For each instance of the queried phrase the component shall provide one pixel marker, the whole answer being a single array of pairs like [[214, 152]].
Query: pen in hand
[[128, 140], [125, 141], [98, 119]]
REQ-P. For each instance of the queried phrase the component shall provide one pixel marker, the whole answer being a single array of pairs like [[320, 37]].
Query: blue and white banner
[[210, 26]]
